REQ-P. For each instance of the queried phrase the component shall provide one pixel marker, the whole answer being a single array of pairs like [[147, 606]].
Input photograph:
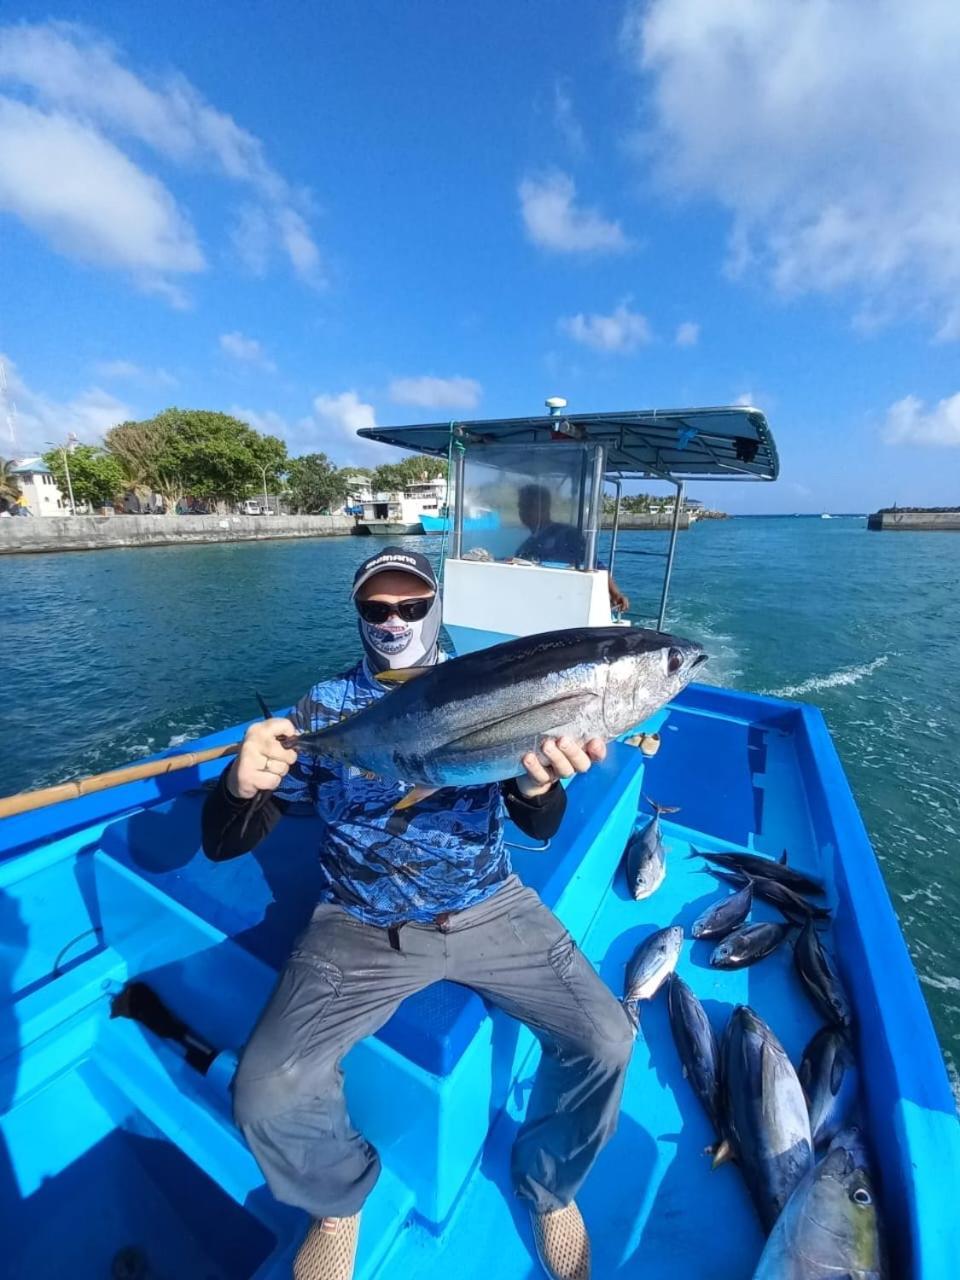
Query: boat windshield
[[528, 504]]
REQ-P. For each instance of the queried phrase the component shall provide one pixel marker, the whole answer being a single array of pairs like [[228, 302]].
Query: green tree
[[95, 475], [9, 488], [199, 453], [315, 483], [409, 471]]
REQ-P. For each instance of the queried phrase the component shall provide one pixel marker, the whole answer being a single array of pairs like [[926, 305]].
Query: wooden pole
[[26, 801]]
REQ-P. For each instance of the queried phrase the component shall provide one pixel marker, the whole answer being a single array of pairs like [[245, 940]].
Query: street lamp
[[72, 438], [266, 500]]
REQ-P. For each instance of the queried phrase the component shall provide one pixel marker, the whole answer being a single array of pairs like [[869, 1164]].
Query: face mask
[[396, 644]]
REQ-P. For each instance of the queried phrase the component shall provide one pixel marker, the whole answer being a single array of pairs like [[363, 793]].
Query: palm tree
[[8, 481]]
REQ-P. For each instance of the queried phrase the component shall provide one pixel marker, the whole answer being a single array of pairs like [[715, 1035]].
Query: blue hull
[[110, 1142], [443, 524]]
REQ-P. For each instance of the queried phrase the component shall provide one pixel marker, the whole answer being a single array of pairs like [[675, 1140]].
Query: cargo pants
[[343, 981]]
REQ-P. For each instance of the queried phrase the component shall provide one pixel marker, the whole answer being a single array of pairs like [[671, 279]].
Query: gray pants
[[344, 980]]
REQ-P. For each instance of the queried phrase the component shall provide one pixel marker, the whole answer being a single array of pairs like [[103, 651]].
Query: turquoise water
[[111, 655]]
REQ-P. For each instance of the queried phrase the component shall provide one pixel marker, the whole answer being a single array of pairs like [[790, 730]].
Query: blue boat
[[443, 523], [118, 1154]]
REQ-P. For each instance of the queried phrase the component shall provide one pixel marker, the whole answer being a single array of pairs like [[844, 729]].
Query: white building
[[39, 488]]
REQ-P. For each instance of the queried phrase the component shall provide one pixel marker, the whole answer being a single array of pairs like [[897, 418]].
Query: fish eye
[[674, 660], [862, 1197]]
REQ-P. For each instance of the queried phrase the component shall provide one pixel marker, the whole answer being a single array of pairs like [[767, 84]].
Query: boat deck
[[109, 1141]]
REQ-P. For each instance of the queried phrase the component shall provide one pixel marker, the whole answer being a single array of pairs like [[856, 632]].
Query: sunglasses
[[378, 611]]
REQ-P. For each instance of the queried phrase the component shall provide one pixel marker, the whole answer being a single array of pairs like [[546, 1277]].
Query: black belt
[[440, 922]]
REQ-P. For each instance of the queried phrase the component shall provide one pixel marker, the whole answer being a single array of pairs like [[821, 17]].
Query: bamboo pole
[[26, 801]]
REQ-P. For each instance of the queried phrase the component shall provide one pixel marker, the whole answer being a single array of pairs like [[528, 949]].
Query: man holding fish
[[418, 888]]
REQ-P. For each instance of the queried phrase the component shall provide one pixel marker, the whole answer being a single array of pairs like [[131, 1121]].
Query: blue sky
[[323, 217]]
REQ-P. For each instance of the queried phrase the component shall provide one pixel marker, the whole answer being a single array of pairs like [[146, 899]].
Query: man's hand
[[566, 758], [262, 761]]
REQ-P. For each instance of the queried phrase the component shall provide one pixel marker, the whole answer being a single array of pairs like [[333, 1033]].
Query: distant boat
[[824, 516]]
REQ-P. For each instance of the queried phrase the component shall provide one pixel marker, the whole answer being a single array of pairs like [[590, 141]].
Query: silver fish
[[721, 917], [792, 905], [820, 977], [645, 859], [754, 864], [697, 1046], [468, 721], [653, 962], [828, 1074], [829, 1229], [766, 1116], [748, 944]]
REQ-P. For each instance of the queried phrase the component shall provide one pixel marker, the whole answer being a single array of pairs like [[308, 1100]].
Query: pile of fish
[[789, 1129]]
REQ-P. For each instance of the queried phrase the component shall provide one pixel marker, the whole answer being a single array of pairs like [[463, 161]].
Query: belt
[[440, 922]]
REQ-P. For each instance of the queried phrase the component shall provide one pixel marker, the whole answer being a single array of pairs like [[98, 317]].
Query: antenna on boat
[[556, 405]]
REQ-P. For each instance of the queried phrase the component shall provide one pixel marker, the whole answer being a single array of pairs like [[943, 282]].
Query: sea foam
[[847, 675]]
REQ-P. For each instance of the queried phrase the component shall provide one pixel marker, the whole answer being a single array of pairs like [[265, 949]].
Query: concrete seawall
[[100, 533], [654, 520], [915, 521]]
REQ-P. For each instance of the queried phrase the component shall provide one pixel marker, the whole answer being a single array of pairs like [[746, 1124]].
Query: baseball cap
[[395, 559]]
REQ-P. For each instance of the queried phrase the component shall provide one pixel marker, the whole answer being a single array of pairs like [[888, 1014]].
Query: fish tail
[[721, 1153], [661, 808], [632, 1009]]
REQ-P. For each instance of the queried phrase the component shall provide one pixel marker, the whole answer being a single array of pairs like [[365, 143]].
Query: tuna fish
[[721, 917], [791, 905], [765, 1113], [748, 944], [755, 865], [645, 859], [653, 962], [828, 1074], [696, 1045], [468, 721], [820, 978], [829, 1229]]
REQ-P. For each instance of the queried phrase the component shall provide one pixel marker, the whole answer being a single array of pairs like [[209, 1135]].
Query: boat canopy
[[723, 443]]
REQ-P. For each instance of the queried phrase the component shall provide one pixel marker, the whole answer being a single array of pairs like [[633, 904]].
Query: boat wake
[[815, 684]]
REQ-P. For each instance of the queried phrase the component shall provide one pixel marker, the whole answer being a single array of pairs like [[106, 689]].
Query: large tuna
[[468, 721], [765, 1113], [829, 1229], [697, 1046]]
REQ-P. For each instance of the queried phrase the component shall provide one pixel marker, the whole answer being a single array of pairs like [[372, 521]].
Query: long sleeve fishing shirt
[[445, 853]]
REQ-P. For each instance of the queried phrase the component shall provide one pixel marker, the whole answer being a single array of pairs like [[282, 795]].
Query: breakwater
[[101, 533], [648, 520], [915, 520]]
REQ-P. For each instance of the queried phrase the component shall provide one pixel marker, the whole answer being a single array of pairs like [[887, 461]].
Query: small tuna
[[721, 917], [697, 1046], [828, 1074], [755, 865], [645, 859], [830, 1228], [765, 1113], [748, 944], [653, 962], [820, 977], [790, 904]]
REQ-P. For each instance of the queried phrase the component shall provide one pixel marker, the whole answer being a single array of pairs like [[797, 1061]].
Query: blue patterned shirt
[[445, 853]]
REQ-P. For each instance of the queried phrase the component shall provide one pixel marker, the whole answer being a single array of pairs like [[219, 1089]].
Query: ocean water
[[106, 656]]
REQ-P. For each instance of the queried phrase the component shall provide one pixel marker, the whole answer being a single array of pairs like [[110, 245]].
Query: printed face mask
[[396, 644]]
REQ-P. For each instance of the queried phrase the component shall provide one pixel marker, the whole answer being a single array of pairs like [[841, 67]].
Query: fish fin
[[783, 859], [400, 675], [255, 805], [414, 796], [632, 1009], [267, 713], [686, 1073], [722, 1152], [661, 808]]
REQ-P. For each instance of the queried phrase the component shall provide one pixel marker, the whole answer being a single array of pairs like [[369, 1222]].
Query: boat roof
[[732, 442]]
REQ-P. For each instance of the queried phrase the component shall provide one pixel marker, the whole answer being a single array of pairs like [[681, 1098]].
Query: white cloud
[[687, 335], [565, 118], [330, 427], [74, 187], [621, 332], [247, 350], [127, 371], [39, 418], [554, 221], [436, 393], [79, 79], [826, 129], [909, 421]]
